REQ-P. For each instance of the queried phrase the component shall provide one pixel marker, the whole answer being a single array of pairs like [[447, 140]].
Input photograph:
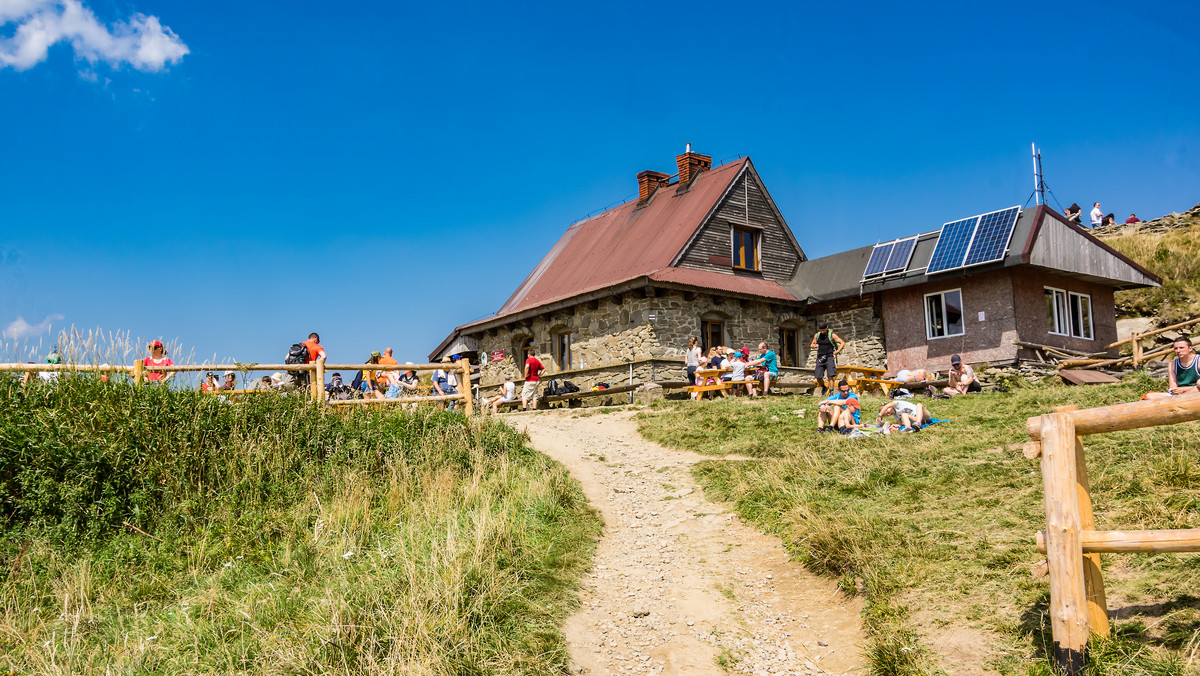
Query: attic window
[[745, 249]]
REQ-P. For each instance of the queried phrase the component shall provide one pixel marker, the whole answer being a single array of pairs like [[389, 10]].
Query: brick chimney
[[648, 182], [691, 164]]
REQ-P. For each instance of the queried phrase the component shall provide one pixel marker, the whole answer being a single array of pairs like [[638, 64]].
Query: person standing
[[1097, 216], [826, 362], [158, 357], [691, 360], [533, 376]]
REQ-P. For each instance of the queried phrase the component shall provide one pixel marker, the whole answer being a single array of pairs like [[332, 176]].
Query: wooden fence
[[139, 369], [1138, 355], [1071, 542]]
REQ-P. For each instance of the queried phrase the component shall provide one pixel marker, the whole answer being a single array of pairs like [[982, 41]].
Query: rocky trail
[[680, 585]]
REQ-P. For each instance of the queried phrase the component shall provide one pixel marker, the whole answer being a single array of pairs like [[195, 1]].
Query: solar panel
[[992, 236], [879, 259], [901, 252], [952, 245], [973, 241]]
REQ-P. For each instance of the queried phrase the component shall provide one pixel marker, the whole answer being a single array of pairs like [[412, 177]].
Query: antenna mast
[[1039, 184]]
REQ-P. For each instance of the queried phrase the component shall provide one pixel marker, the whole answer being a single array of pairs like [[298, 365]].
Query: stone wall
[[862, 329]]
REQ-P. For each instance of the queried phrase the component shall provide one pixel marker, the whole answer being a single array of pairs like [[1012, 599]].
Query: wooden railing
[[139, 369], [1137, 355], [1071, 542]]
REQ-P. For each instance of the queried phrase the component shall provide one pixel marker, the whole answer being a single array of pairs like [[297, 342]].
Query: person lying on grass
[[839, 412], [1183, 376], [911, 416]]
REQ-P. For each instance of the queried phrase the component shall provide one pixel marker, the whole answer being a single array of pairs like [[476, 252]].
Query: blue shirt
[[770, 361], [837, 396]]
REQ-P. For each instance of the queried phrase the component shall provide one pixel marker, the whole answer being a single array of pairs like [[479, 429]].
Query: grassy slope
[[941, 522], [293, 540], [1175, 257]]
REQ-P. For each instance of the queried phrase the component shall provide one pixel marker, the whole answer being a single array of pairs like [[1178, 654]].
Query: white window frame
[[928, 320], [1064, 324]]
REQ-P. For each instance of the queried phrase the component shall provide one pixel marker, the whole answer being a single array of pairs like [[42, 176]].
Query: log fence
[[1137, 355], [1071, 542], [138, 370]]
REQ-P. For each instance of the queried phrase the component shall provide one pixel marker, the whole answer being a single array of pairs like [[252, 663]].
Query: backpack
[[552, 389], [569, 387], [297, 354]]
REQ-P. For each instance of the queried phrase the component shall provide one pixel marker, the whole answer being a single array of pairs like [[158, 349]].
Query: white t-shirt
[[1097, 217], [903, 406], [739, 370], [48, 376], [510, 391]]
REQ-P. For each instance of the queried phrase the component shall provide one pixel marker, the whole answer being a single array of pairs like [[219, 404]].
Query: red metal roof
[[627, 242]]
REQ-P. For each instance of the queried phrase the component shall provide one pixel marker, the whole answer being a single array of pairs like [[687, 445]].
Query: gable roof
[[635, 240], [1041, 238]]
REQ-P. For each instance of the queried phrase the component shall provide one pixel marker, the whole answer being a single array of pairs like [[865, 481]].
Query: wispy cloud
[[141, 41], [19, 328]]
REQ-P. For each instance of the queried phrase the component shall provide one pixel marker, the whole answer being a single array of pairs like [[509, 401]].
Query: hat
[[445, 359], [277, 376], [729, 350], [375, 353], [230, 373], [745, 352], [155, 343], [955, 360]]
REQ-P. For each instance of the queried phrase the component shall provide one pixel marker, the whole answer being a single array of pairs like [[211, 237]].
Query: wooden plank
[[1179, 541], [1117, 417], [464, 380], [1155, 332], [1076, 377], [1064, 547], [1093, 577]]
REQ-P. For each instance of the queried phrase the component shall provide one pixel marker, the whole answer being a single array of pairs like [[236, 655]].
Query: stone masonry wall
[[861, 328]]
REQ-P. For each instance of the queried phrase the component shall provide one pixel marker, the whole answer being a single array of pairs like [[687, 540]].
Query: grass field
[[1175, 257], [936, 529], [279, 538]]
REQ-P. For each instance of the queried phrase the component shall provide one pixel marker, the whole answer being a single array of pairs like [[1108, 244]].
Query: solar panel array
[[973, 241], [889, 257]]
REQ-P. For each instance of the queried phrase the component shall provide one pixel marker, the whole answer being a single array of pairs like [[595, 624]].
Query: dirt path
[[681, 585]]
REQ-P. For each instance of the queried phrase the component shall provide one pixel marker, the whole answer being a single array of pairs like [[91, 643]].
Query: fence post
[[318, 383], [1064, 545], [139, 371], [1137, 348], [464, 382]]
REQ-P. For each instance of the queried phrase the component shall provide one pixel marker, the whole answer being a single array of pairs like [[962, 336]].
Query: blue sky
[[235, 175]]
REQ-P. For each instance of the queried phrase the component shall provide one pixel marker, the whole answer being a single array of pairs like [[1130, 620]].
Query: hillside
[[157, 532], [1170, 248]]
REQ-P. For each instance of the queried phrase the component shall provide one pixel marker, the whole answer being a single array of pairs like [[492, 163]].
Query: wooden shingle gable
[[1054, 244], [745, 203]]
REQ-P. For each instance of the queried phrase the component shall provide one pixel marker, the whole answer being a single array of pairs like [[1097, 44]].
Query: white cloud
[[142, 41], [19, 328]]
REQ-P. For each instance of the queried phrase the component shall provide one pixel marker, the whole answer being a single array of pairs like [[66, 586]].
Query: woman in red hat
[[158, 357]]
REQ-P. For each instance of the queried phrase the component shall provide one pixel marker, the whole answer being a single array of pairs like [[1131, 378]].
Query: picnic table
[[705, 374], [862, 378]]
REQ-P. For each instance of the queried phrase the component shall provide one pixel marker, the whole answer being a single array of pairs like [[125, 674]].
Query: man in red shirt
[[1133, 219], [533, 372]]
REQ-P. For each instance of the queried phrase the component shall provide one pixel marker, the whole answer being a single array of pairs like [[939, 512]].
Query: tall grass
[[936, 529], [279, 537]]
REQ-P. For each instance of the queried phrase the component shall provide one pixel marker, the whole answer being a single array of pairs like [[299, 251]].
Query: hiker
[[363, 381], [911, 415], [826, 365], [444, 383], [282, 381], [839, 412], [410, 386], [315, 351], [1109, 219], [533, 372], [1074, 213], [158, 357], [1096, 216], [230, 381], [962, 378], [210, 383], [383, 379], [766, 358], [337, 390], [691, 362], [508, 392], [263, 383], [1183, 376], [738, 374], [1132, 219]]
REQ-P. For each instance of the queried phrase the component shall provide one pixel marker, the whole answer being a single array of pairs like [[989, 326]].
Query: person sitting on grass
[[962, 378], [911, 416], [839, 412], [1183, 376], [507, 393]]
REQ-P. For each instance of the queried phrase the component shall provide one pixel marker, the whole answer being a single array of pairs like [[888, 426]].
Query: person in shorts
[[533, 377], [840, 411], [911, 415], [508, 392], [962, 378], [826, 360], [444, 383]]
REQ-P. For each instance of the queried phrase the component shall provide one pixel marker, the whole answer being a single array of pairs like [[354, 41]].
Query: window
[[745, 249], [562, 350], [789, 347], [1068, 313], [943, 314], [712, 334]]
